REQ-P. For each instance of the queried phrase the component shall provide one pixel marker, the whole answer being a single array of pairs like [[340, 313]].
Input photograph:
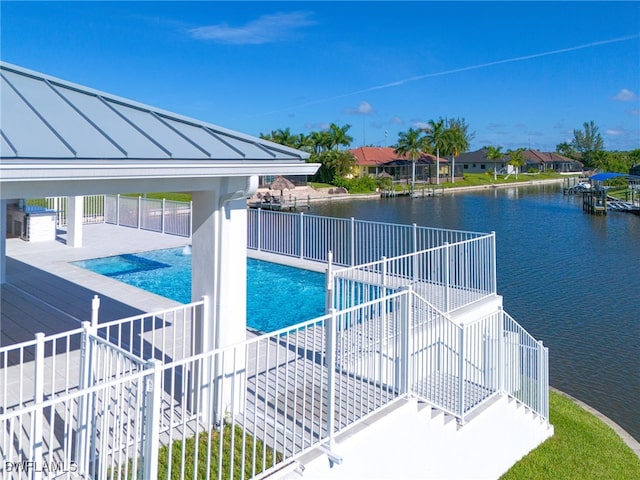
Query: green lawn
[[178, 197], [582, 448], [469, 180], [476, 179]]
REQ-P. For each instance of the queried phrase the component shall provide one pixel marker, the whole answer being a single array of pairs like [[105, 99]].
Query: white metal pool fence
[[450, 276], [309, 237], [157, 215], [128, 398], [351, 242], [93, 208]]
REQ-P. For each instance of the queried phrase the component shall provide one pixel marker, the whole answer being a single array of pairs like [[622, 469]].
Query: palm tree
[[410, 143], [283, 137], [304, 142], [458, 139], [436, 138], [320, 141], [338, 136], [516, 159], [495, 154], [588, 142]]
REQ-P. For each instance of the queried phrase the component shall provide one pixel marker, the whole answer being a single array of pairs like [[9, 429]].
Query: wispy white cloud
[[625, 95], [317, 126], [363, 108], [266, 29], [616, 131], [535, 133], [415, 78], [396, 120], [634, 111]]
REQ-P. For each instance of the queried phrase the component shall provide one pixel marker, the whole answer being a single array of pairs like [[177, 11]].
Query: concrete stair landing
[[413, 440]]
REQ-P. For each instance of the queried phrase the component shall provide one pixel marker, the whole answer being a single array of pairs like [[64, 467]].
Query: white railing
[[79, 402], [526, 368], [352, 242], [156, 215], [93, 208], [129, 398], [450, 276]]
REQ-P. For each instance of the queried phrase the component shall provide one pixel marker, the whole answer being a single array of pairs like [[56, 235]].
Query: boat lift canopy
[[601, 177]]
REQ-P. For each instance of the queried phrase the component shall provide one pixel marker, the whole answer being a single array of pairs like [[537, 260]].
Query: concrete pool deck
[[46, 293]]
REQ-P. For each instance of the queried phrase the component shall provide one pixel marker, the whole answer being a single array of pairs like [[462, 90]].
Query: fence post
[[494, 267], [546, 383], [85, 403], [118, 209], [139, 212], [415, 237], [301, 235], [328, 303], [501, 361], [415, 251], [153, 398], [461, 361], [383, 271], [330, 341], [405, 332], [163, 213], [541, 401], [259, 227], [95, 307], [446, 277], [353, 241], [37, 419]]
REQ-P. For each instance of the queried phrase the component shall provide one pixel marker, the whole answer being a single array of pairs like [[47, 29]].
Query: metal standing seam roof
[[45, 118]]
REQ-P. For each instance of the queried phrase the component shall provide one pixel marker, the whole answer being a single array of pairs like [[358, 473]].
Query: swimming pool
[[300, 294]]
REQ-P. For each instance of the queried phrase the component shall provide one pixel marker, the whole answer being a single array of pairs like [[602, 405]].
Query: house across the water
[[536, 161], [384, 161]]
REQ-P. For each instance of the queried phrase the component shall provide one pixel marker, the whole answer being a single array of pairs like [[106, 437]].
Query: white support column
[[3, 241], [219, 243], [204, 260], [75, 206]]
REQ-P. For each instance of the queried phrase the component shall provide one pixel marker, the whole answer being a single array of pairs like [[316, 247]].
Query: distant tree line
[[324, 147], [445, 137], [587, 146]]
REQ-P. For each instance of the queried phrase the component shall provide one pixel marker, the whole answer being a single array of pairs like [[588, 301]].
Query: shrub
[[364, 184]]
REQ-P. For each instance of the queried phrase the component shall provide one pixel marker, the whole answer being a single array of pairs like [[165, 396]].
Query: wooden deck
[[46, 293]]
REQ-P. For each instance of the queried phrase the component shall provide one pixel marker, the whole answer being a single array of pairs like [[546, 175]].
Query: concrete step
[[414, 440]]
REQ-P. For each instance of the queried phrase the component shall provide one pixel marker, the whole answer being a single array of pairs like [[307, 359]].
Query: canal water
[[570, 278]]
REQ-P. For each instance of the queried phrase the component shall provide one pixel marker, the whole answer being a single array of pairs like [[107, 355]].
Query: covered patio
[[64, 139]]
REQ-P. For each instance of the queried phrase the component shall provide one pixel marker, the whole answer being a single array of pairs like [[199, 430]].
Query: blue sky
[[521, 74]]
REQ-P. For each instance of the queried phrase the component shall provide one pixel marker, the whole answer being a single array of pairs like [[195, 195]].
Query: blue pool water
[[277, 296]]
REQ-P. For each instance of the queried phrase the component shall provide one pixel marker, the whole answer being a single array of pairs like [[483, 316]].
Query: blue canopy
[[601, 177]]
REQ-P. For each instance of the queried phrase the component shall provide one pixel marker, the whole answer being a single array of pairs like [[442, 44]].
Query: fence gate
[[114, 416], [76, 405]]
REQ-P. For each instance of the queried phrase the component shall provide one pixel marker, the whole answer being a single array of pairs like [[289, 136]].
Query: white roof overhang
[[55, 135]]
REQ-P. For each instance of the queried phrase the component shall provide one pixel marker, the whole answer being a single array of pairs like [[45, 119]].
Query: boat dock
[[622, 206]]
